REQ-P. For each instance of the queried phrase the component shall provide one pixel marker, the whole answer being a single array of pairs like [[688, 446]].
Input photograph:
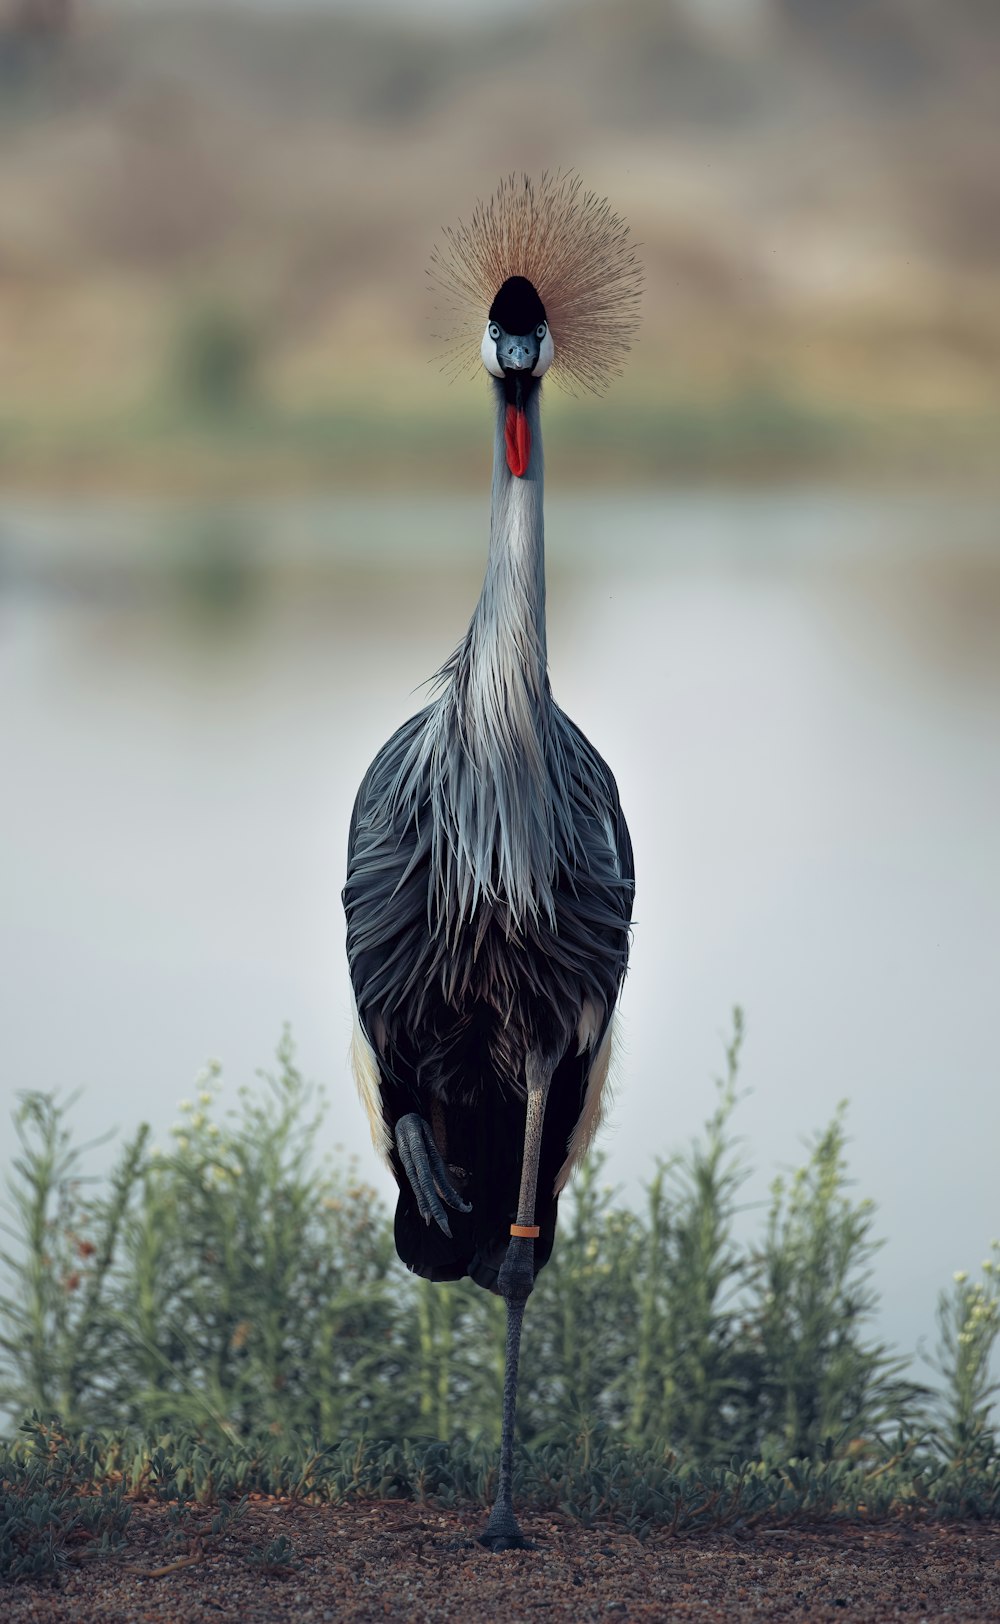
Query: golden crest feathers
[[576, 252]]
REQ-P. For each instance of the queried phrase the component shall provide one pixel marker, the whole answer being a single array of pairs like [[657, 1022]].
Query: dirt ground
[[414, 1564]]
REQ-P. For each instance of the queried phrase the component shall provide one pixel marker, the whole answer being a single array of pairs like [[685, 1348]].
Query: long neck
[[507, 633], [492, 792]]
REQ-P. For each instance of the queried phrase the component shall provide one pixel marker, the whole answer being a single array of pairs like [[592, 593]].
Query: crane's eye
[[494, 330], [541, 330]]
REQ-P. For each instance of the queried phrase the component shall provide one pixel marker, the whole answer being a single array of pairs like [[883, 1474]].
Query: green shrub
[[968, 1324], [58, 1319], [230, 1313], [817, 1376], [51, 1506]]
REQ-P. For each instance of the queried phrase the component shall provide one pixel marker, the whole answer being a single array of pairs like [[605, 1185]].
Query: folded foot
[[427, 1172]]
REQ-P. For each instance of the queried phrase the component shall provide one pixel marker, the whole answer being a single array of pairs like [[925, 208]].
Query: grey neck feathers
[[493, 825], [504, 651]]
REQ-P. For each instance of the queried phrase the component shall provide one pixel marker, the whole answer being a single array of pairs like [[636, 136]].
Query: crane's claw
[[426, 1170]]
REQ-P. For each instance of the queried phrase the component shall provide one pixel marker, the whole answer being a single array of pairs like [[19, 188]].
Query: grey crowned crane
[[489, 871]]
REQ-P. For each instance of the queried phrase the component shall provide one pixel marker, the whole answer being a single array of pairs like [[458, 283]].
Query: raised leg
[[425, 1168], [516, 1281]]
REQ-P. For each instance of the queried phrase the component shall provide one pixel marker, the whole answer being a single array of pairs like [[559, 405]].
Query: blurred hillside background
[[243, 515], [213, 207]]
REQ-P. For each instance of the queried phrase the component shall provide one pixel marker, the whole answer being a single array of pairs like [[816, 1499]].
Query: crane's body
[[488, 900]]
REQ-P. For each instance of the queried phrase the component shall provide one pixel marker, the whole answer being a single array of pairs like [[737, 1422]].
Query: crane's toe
[[425, 1168], [505, 1542]]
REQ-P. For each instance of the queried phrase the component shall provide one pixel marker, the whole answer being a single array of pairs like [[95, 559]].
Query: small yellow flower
[[960, 1276]]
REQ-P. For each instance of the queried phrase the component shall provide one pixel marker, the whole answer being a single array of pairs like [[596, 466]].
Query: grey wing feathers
[[385, 897]]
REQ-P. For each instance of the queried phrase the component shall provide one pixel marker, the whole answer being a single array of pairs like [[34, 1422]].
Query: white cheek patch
[[546, 355], [488, 351]]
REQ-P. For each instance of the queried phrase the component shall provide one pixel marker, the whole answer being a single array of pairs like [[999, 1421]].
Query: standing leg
[[516, 1281]]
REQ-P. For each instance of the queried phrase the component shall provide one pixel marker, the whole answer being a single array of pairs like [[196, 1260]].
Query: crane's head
[[517, 347], [517, 343], [557, 272]]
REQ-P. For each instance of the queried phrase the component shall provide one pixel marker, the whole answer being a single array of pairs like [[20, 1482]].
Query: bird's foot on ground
[[503, 1531], [427, 1172], [505, 1542]]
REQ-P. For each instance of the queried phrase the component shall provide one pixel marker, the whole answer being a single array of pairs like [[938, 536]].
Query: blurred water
[[799, 691]]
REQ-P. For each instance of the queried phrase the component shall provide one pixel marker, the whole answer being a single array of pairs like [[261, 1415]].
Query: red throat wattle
[[517, 439]]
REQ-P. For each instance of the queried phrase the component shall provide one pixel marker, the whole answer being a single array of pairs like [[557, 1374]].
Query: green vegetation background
[[230, 1315]]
